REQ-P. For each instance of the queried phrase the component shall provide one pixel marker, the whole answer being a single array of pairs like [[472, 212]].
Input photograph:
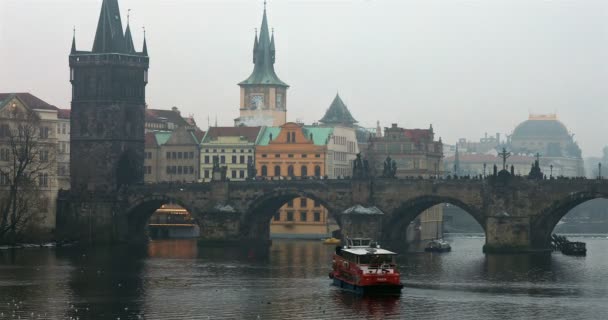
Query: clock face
[[257, 101]]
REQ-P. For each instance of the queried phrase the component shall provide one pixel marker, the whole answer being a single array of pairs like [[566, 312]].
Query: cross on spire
[[504, 155]]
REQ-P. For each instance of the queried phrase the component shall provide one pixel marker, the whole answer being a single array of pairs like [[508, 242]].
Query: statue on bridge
[[218, 173], [251, 170], [390, 168], [360, 168], [535, 172]]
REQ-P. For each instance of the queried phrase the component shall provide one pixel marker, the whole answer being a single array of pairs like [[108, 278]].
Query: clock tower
[[263, 94]]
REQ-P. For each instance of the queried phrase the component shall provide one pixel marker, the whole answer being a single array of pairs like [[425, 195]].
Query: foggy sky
[[467, 67]]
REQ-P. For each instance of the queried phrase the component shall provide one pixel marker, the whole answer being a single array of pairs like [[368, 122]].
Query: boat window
[[376, 259]]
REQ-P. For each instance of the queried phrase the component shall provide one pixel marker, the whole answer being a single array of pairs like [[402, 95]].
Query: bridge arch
[[394, 227], [544, 224], [255, 222], [141, 209]]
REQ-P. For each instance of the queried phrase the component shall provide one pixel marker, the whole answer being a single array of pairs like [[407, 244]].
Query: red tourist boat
[[363, 267]]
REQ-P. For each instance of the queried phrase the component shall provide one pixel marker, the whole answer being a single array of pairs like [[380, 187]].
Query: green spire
[[263, 59], [255, 44], [145, 49], [338, 114], [272, 49], [109, 37]]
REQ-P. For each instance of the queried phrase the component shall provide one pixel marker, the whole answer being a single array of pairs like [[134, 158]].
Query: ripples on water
[[178, 280]]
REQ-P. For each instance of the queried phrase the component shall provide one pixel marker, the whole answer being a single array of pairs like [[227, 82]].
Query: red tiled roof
[[64, 113], [150, 139], [250, 133], [154, 115], [417, 134], [29, 100]]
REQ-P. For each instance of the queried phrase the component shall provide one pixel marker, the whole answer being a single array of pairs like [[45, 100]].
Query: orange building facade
[[295, 151]]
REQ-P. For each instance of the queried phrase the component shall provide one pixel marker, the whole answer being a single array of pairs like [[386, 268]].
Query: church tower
[[108, 107], [263, 94]]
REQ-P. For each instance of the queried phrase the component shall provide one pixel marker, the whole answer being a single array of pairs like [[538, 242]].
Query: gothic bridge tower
[[108, 107], [263, 94]]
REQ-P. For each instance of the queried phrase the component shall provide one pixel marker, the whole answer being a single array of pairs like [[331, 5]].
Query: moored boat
[[574, 248], [438, 246], [363, 267]]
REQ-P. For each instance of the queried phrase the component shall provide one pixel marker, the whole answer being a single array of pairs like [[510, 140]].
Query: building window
[[233, 159], [233, 174], [168, 155], [206, 159], [249, 159], [277, 216], [206, 174], [317, 171], [289, 215], [264, 171], [304, 156], [277, 155], [290, 171], [191, 154], [303, 202], [223, 159], [233, 150], [290, 156], [174, 155], [317, 216], [304, 171], [242, 174], [317, 204], [179, 155], [264, 156], [191, 170], [317, 156], [242, 159], [302, 215], [179, 170], [277, 171], [290, 204]]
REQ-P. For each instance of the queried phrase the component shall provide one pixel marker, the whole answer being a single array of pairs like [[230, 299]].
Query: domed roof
[[539, 127]]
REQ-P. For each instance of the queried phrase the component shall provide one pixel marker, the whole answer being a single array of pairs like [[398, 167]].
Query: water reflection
[[177, 279]]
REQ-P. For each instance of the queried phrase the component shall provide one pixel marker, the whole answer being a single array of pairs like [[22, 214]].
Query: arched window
[[293, 137], [264, 171], [304, 171], [277, 171], [290, 171], [317, 171]]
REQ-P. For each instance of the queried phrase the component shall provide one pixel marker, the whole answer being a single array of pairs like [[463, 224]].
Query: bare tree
[[26, 160]]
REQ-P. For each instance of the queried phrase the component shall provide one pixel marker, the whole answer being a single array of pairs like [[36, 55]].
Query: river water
[[175, 279]]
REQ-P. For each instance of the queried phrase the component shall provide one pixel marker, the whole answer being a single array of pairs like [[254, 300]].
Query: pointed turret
[[263, 52], [272, 50], [129, 47], [73, 42], [338, 114], [255, 44], [109, 37], [145, 47]]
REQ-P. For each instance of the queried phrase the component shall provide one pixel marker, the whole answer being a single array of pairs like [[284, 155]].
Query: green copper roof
[[129, 40], [338, 113], [263, 59], [162, 137], [320, 136], [264, 138]]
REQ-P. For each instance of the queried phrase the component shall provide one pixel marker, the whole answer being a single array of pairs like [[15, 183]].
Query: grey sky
[[468, 67]]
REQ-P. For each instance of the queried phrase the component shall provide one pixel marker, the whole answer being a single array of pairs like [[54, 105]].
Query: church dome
[[544, 126]]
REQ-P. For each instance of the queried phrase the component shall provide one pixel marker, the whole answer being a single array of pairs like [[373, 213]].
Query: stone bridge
[[518, 215]]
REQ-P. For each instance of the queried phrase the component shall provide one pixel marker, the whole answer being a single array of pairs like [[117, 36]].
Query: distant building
[[167, 120], [547, 136], [63, 155], [417, 154], [234, 148], [13, 107], [295, 151], [472, 164], [263, 94], [172, 156], [342, 148]]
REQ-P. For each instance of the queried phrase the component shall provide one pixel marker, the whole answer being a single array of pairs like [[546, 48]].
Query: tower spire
[[272, 50], [145, 48], [74, 41], [128, 37], [109, 37], [255, 44]]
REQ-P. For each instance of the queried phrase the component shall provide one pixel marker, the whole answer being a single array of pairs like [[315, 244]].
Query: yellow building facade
[[294, 151]]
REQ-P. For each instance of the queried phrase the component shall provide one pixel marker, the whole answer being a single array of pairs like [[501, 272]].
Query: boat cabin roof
[[368, 251], [364, 246]]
